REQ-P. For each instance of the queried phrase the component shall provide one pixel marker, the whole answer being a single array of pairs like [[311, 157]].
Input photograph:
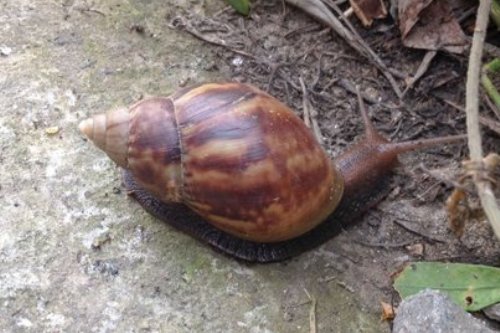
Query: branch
[[485, 192]]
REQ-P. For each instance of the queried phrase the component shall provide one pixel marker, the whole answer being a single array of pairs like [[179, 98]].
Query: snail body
[[257, 183]]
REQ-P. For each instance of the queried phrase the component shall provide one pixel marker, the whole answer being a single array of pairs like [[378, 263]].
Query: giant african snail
[[258, 184]]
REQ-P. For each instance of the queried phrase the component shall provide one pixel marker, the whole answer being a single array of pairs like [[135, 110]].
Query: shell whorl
[[250, 166], [109, 131], [143, 139]]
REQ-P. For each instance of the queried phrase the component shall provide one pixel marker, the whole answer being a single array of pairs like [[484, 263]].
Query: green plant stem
[[491, 90]]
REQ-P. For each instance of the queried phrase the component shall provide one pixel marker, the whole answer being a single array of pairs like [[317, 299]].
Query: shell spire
[[110, 132]]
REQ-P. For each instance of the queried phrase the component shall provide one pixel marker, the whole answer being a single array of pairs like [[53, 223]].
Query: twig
[[418, 232], [327, 86], [433, 187], [493, 107], [484, 189], [222, 11], [385, 245], [312, 313], [424, 66], [488, 122], [305, 102], [490, 49], [352, 89], [304, 29], [465, 15], [310, 114], [345, 286], [272, 76], [441, 178], [339, 283], [88, 9], [180, 22], [348, 12], [398, 73]]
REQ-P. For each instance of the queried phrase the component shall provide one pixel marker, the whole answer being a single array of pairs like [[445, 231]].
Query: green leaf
[[473, 287], [495, 12], [241, 6]]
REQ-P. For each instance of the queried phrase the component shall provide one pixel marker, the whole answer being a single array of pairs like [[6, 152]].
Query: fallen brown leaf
[[367, 10], [388, 312], [430, 25]]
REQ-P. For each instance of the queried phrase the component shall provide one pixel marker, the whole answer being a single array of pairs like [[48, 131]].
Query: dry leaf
[[388, 312], [430, 25], [458, 211], [367, 10]]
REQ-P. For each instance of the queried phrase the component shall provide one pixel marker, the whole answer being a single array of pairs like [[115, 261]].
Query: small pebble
[[416, 250], [100, 240], [52, 130], [5, 50], [237, 61]]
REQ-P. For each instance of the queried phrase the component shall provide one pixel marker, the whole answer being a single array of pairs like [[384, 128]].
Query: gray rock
[[493, 312], [433, 311]]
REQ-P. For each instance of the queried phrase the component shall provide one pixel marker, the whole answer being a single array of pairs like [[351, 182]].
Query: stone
[[434, 311], [493, 312]]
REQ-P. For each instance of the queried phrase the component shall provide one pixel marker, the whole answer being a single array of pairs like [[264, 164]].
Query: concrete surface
[[76, 255]]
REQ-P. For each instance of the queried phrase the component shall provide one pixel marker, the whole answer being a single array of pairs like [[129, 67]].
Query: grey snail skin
[[234, 167]]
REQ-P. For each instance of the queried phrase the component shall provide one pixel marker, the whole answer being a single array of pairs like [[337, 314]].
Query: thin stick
[[386, 245], [312, 313], [307, 116], [490, 49], [488, 122], [347, 85], [181, 23], [418, 232], [424, 66], [485, 192], [493, 107], [310, 114]]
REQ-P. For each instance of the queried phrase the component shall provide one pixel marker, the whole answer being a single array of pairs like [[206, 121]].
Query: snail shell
[[257, 183], [233, 154]]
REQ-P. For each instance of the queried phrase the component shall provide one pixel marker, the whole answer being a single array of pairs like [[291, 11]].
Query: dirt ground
[[77, 255], [279, 45]]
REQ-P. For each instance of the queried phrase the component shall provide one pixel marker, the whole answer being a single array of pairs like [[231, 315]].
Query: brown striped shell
[[232, 153]]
